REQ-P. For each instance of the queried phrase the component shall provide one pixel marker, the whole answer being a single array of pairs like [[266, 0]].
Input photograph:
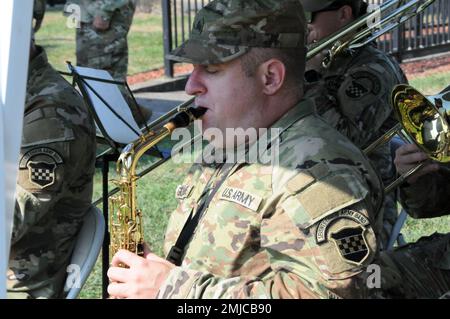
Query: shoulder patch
[[41, 172], [351, 244], [363, 83]]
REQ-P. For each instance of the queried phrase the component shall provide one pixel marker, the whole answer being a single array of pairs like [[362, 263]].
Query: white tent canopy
[[15, 26]]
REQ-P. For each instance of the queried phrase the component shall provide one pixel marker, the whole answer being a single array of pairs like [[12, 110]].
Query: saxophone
[[125, 222]]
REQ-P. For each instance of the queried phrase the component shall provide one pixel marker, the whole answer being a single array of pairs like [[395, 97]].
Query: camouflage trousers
[[417, 270], [38, 264], [105, 50]]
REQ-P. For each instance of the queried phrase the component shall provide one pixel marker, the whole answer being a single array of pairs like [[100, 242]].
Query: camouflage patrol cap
[[226, 29]]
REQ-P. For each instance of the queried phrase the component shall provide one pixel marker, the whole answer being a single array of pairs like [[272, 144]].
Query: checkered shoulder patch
[[351, 244], [363, 83], [41, 164]]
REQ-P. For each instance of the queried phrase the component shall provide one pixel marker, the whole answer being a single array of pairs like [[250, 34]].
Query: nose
[[194, 85]]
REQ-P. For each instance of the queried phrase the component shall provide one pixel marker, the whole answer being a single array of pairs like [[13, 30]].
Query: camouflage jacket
[[103, 8], [280, 231], [428, 197], [54, 187], [353, 96]]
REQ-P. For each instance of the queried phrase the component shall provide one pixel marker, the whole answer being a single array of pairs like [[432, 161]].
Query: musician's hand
[[100, 24], [142, 279], [409, 156]]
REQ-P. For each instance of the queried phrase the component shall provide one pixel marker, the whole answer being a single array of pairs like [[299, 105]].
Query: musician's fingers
[[118, 274], [410, 158], [118, 290], [407, 148], [126, 258]]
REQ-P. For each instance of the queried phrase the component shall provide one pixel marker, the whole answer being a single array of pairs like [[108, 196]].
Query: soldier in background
[[102, 37], [353, 93], [102, 42], [38, 13], [55, 180]]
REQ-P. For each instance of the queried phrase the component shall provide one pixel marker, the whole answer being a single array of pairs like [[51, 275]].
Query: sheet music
[[115, 128]]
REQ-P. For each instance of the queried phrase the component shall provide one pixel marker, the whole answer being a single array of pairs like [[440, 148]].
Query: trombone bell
[[425, 120]]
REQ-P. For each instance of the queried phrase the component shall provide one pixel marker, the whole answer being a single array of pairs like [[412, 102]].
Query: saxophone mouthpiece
[[198, 112], [185, 118]]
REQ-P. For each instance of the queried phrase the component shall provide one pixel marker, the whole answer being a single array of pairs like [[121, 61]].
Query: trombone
[[422, 120], [360, 32]]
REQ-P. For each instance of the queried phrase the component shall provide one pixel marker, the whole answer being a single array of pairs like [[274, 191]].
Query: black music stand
[[116, 128]]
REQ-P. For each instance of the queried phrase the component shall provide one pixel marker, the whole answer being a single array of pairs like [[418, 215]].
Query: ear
[[345, 15], [272, 74]]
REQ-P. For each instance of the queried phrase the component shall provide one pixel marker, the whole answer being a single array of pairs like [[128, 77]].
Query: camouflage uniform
[[106, 50], [353, 96], [305, 227], [275, 231], [54, 189], [38, 13], [279, 231]]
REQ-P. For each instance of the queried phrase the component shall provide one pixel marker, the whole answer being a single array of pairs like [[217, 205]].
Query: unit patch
[[41, 172], [351, 244], [362, 84]]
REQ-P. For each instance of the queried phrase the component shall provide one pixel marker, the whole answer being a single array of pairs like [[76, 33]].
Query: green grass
[[432, 84], [145, 41]]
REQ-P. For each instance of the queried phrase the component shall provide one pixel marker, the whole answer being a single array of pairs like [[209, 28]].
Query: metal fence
[[422, 35]]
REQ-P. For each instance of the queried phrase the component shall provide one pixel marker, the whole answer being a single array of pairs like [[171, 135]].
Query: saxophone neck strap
[[176, 253]]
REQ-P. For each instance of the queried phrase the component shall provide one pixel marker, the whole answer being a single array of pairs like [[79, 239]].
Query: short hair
[[293, 59]]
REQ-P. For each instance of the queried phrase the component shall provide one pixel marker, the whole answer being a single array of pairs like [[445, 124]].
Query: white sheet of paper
[[15, 26], [115, 128]]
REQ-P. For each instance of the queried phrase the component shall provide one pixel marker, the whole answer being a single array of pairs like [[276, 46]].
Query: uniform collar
[[302, 109]]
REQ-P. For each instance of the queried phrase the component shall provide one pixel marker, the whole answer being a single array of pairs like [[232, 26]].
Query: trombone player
[[353, 93], [424, 194]]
